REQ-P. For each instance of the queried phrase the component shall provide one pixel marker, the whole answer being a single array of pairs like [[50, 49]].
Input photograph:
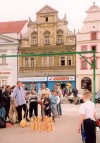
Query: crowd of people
[[14, 101]]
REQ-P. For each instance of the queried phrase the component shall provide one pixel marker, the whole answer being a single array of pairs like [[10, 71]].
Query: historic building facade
[[48, 34], [9, 42], [88, 39]]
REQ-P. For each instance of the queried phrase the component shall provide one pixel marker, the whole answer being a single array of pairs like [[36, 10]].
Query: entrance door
[[86, 83]]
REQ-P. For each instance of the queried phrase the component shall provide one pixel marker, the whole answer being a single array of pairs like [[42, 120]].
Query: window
[[69, 61], [26, 62], [93, 48], [44, 62], [47, 61], [60, 36], [32, 62], [46, 19], [84, 65], [84, 48], [92, 62], [34, 36], [3, 59], [59, 40], [51, 61], [47, 40], [62, 61], [47, 37], [71, 39], [3, 82], [66, 61], [93, 36], [34, 41]]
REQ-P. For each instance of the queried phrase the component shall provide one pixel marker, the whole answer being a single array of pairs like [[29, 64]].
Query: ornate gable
[[47, 9]]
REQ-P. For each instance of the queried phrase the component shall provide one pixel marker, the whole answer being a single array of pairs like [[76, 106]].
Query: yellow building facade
[[48, 34]]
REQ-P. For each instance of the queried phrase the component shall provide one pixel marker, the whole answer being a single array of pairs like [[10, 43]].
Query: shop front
[[64, 81], [35, 82]]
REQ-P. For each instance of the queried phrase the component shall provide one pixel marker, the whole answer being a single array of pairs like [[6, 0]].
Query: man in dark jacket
[[75, 92], [6, 95]]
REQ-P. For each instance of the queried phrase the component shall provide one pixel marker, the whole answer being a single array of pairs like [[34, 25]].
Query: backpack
[[2, 123]]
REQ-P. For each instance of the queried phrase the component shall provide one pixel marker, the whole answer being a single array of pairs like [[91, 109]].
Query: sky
[[75, 10]]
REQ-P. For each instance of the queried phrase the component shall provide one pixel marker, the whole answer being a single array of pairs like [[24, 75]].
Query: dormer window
[[46, 19]]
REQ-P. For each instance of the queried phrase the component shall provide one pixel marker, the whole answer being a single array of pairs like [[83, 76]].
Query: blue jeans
[[2, 112]]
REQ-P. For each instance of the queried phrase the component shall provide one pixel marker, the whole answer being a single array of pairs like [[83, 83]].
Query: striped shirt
[[33, 97]]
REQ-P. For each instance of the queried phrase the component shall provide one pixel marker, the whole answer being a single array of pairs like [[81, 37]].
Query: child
[[87, 118], [47, 105], [54, 100], [33, 103]]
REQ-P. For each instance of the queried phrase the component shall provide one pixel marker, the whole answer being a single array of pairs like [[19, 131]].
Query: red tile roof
[[12, 26]]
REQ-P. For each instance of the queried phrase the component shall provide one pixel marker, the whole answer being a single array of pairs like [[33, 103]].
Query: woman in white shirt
[[87, 118]]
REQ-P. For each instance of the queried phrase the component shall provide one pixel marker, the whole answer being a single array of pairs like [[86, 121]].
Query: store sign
[[62, 78], [4, 72], [32, 79]]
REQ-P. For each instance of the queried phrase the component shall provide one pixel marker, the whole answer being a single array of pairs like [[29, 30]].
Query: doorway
[[86, 83]]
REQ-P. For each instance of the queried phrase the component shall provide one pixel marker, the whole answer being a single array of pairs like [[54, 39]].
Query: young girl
[[87, 118]]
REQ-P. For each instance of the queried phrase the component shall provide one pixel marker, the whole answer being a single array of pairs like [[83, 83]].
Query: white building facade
[[9, 42], [88, 39]]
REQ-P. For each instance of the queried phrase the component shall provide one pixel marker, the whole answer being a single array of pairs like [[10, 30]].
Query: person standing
[[6, 95], [33, 103], [87, 119], [19, 99], [53, 101], [47, 105], [12, 110], [60, 98], [75, 92], [2, 109], [42, 91]]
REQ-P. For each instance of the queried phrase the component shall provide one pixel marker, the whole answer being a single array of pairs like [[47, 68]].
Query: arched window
[[34, 38], [60, 36], [47, 38]]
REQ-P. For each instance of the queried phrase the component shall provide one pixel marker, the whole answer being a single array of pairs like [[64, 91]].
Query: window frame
[[47, 61], [66, 60], [92, 36], [3, 60]]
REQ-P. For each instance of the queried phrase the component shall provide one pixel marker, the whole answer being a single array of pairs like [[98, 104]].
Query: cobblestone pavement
[[65, 130]]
